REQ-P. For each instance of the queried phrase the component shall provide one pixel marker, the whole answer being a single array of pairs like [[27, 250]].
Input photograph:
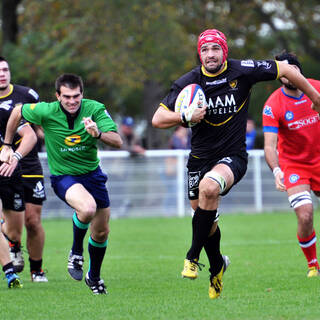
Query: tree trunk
[[153, 94], [9, 21]]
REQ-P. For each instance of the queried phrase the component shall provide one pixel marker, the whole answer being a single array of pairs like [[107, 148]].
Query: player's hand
[[198, 114], [91, 127], [6, 154], [278, 179], [6, 169]]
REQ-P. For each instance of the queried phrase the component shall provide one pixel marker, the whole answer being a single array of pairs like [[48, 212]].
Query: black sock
[[35, 265], [96, 253], [15, 244], [8, 268], [79, 232], [202, 222], [212, 248]]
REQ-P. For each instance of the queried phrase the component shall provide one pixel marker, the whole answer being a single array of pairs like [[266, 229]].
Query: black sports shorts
[[34, 191], [197, 168], [11, 194]]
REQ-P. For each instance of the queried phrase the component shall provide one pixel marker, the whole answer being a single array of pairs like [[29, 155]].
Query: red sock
[[308, 246]]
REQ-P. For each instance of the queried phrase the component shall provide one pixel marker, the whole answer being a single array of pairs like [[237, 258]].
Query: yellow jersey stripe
[[32, 176]]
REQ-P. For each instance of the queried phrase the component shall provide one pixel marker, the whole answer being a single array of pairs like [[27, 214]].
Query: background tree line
[[129, 52]]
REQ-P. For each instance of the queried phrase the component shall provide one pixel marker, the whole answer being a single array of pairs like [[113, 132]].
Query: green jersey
[[70, 148]]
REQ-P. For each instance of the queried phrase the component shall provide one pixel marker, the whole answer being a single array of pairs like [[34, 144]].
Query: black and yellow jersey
[[222, 132], [30, 164]]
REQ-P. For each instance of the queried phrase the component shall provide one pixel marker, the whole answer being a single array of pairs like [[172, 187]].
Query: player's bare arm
[[295, 77], [164, 118], [12, 125], [271, 155], [113, 139], [29, 139]]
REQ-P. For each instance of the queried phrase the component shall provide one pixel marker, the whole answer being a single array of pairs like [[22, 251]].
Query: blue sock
[[79, 232], [96, 253]]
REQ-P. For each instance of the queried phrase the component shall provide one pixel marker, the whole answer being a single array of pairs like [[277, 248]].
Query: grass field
[[266, 278]]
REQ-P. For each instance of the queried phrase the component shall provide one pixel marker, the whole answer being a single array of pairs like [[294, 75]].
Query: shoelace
[[200, 265], [77, 262], [16, 248], [40, 273]]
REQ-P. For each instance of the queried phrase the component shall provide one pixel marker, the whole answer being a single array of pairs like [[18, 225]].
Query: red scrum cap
[[216, 36]]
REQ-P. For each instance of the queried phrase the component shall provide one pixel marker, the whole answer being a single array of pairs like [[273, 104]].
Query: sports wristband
[[276, 170], [7, 144], [183, 118], [17, 155], [99, 135]]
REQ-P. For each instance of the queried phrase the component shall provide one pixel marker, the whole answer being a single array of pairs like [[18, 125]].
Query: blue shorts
[[94, 182]]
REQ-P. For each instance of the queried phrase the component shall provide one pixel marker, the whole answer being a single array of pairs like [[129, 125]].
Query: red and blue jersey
[[296, 124]]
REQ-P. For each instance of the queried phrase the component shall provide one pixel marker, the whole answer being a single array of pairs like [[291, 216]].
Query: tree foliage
[[129, 52]]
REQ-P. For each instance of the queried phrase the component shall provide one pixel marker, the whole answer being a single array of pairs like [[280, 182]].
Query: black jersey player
[[11, 190], [33, 184], [218, 157]]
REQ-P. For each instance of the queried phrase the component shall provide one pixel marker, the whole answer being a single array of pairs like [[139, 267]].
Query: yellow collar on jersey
[[216, 74], [8, 94]]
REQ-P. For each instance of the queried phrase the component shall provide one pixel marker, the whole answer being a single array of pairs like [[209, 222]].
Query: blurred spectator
[[130, 140], [250, 134], [180, 138]]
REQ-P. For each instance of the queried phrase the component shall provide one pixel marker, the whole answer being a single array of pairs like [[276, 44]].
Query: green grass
[[266, 278]]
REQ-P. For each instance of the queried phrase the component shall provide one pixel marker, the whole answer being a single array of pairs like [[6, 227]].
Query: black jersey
[[30, 164], [222, 132], [5, 111]]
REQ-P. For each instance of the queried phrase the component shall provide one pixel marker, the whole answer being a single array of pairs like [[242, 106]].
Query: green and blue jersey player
[[72, 126]]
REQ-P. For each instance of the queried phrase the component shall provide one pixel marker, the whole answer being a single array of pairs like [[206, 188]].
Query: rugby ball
[[189, 98]]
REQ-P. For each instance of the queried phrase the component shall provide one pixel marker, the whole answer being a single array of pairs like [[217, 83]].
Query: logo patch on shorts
[[17, 202], [38, 191], [294, 178], [225, 159], [193, 181]]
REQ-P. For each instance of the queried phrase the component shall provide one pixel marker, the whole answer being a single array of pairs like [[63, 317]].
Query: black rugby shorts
[[197, 168], [11, 194]]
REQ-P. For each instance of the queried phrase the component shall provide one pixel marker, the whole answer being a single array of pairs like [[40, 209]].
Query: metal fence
[[155, 185]]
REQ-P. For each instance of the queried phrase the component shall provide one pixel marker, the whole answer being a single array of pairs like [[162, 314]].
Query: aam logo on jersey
[[72, 140]]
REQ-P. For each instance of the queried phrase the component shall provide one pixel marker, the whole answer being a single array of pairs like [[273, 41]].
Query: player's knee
[[209, 189], [88, 210], [32, 222], [101, 235], [216, 180]]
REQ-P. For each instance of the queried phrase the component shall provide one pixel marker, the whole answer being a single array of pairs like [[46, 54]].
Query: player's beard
[[214, 70], [291, 87]]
